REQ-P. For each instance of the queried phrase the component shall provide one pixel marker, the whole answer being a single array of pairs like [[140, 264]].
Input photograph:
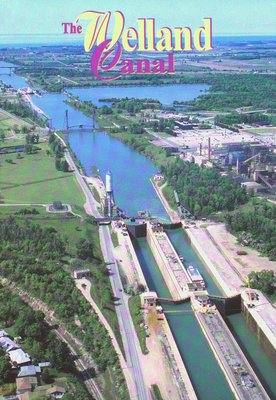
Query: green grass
[[134, 304], [156, 392], [7, 122], [12, 142], [34, 179], [7, 389], [114, 238], [262, 131]]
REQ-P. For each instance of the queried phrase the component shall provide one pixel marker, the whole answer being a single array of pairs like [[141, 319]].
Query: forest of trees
[[236, 118], [230, 91], [264, 280], [38, 338], [255, 227], [33, 257], [202, 190], [42, 344]]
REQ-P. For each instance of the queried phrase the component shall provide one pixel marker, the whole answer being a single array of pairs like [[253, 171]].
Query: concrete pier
[[240, 375], [177, 279]]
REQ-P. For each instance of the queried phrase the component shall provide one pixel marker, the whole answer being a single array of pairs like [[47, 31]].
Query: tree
[[264, 280], [58, 163], [29, 148], [59, 356], [84, 249], [64, 166], [46, 377], [5, 367]]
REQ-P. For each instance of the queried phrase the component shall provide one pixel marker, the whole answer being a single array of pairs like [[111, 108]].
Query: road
[[165, 141], [129, 337], [84, 285], [130, 341]]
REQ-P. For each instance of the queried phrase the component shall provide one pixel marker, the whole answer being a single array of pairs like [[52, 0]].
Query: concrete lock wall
[[261, 336], [159, 256]]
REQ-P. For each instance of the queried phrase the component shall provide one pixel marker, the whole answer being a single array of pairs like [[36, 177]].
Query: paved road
[[84, 285], [129, 337], [130, 341], [165, 141]]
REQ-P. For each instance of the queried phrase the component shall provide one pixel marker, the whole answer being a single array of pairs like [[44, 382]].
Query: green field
[[262, 131], [34, 179], [6, 122]]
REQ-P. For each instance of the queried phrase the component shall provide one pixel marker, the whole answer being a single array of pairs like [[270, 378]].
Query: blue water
[[182, 245], [165, 94]]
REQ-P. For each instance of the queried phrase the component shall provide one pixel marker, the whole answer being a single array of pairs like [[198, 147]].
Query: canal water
[[134, 192], [165, 94], [207, 378]]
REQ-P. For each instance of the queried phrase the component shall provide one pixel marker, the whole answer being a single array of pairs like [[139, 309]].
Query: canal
[[207, 378], [133, 192]]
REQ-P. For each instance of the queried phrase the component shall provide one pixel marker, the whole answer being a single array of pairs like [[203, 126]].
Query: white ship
[[195, 276]]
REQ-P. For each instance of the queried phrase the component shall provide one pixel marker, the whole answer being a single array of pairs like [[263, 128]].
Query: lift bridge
[[68, 127], [10, 70]]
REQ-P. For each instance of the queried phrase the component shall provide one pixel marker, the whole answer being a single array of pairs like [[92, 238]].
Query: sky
[[230, 17]]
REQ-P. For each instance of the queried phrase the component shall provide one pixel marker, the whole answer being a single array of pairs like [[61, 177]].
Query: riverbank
[[174, 217]]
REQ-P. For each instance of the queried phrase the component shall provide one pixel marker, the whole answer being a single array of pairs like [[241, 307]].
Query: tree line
[[21, 110], [230, 91], [236, 118], [203, 190], [60, 163], [255, 227]]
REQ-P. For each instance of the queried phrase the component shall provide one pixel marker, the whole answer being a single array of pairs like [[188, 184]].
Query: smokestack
[[200, 149], [209, 149]]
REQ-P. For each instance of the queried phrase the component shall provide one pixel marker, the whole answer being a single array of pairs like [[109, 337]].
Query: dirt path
[[84, 285]]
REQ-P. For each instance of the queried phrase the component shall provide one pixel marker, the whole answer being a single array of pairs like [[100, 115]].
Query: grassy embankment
[[134, 304]]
